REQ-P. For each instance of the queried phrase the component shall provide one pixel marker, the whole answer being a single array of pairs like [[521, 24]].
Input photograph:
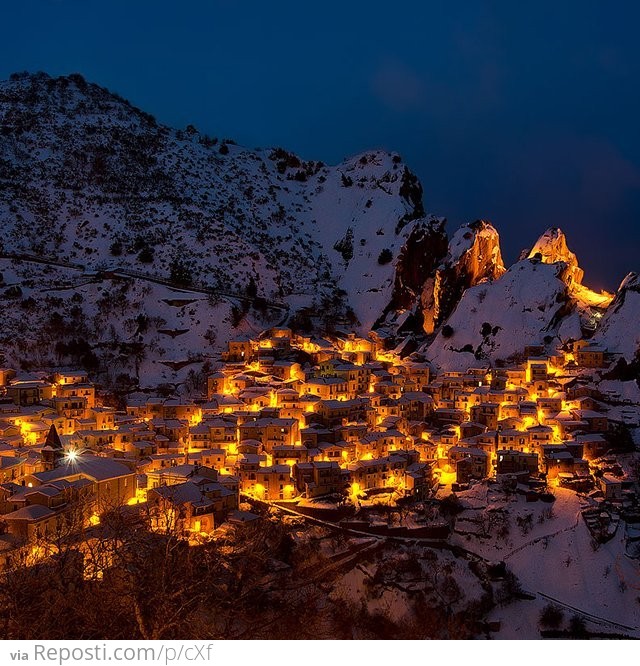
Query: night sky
[[525, 114]]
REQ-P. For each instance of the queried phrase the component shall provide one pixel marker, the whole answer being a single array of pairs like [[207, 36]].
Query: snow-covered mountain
[[539, 300], [495, 320], [142, 249], [90, 181]]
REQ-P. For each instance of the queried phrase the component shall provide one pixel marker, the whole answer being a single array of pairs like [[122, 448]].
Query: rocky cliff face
[[473, 256], [539, 300], [419, 257], [552, 248], [495, 320], [432, 272]]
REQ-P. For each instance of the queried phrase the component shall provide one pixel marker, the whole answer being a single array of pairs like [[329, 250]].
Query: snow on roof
[[31, 513], [241, 517], [467, 450], [7, 462], [94, 467], [182, 493]]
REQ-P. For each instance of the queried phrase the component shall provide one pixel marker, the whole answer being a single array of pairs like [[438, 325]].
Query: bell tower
[[52, 450]]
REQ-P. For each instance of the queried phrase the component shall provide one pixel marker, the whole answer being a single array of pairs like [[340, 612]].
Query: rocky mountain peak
[[552, 247], [473, 256], [106, 213]]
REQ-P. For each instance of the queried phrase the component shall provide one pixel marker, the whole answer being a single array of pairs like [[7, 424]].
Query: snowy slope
[[348, 218], [135, 327], [555, 561], [619, 329], [496, 320], [92, 180]]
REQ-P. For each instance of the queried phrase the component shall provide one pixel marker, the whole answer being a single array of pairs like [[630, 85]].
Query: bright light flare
[[72, 455]]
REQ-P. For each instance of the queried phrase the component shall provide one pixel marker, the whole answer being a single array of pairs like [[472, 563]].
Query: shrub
[[180, 272], [620, 439], [251, 290], [385, 256], [14, 291], [345, 246], [146, 255], [237, 315], [447, 331], [510, 588], [208, 141], [28, 304], [577, 627], [351, 317], [301, 321], [551, 616], [451, 505], [139, 243], [525, 523]]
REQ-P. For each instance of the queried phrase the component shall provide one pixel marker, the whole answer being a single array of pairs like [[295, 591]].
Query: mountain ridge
[[90, 180]]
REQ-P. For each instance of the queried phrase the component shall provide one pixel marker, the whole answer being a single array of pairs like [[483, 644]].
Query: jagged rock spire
[[473, 256], [552, 247]]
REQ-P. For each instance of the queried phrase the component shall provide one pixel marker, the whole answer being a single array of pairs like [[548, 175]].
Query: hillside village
[[209, 350], [313, 422]]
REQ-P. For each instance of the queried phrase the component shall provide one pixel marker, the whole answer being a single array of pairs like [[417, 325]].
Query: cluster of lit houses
[[289, 416]]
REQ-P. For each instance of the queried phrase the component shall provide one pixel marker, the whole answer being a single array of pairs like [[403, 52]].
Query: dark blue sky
[[525, 114]]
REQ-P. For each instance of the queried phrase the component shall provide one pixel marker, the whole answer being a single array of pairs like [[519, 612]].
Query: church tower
[[52, 450]]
